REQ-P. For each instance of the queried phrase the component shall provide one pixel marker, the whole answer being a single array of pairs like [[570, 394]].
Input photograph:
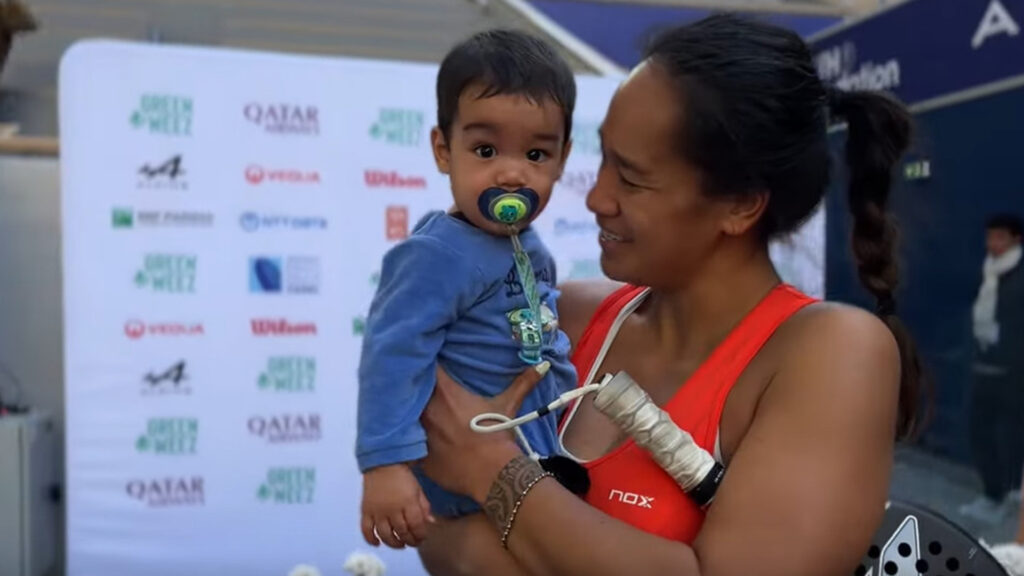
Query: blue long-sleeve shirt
[[443, 296]]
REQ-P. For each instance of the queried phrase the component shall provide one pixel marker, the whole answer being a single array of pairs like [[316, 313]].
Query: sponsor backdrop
[[220, 250]]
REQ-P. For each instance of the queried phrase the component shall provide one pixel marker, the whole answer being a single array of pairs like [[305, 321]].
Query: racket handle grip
[[629, 406]]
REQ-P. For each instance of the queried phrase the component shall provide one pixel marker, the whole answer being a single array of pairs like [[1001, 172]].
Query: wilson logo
[[392, 179], [631, 499], [282, 327]]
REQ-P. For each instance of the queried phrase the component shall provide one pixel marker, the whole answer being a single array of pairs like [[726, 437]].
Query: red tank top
[[626, 483]]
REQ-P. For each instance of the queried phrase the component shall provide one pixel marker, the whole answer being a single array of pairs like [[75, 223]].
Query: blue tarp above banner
[[927, 48], [620, 31]]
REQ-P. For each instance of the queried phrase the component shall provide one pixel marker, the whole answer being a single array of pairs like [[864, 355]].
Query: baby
[[451, 294]]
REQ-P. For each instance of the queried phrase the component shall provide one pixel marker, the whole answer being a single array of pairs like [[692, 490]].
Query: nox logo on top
[[168, 492], [257, 175], [392, 179], [282, 327], [169, 436], [398, 127], [291, 274], [172, 380], [284, 119], [137, 329], [294, 374], [396, 223], [168, 175], [165, 114], [288, 485], [631, 498], [286, 428]]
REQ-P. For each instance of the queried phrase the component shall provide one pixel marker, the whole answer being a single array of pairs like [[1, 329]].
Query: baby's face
[[503, 141]]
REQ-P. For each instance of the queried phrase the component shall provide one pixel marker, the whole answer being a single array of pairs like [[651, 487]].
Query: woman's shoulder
[[578, 302]]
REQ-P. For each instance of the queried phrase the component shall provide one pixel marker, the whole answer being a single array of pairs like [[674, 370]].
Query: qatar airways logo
[[392, 179], [286, 428], [137, 329], [284, 119], [282, 327], [256, 174]]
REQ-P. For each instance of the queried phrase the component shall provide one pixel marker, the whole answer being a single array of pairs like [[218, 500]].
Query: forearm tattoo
[[508, 491]]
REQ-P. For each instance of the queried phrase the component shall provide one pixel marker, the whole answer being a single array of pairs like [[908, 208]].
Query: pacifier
[[505, 207]]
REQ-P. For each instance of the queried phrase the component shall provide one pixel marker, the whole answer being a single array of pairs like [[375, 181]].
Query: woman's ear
[[442, 153], [745, 210]]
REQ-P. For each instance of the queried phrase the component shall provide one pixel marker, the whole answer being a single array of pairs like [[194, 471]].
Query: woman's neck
[[694, 319]]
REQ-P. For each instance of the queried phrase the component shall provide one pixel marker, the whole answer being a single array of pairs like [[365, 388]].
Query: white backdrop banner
[[225, 214]]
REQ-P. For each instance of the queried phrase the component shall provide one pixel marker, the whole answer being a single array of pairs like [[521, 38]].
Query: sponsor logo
[[586, 138], [253, 222], [169, 175], [136, 329], [396, 223], [997, 21], [166, 114], [566, 227], [171, 381], [585, 269], [631, 498], [375, 278], [359, 326], [276, 274], [392, 179], [839, 65], [286, 428], [168, 492], [256, 175], [169, 436], [398, 127], [579, 182], [126, 218], [288, 485], [168, 273], [282, 327], [284, 118], [289, 374]]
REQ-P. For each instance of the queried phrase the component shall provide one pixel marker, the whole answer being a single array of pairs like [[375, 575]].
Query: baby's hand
[[394, 505]]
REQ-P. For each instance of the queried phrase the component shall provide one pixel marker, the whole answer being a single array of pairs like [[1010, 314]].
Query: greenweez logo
[[169, 436], [358, 325], [166, 114], [168, 273], [398, 126], [294, 374], [288, 486]]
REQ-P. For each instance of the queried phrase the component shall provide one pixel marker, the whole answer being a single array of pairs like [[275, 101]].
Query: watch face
[[569, 473]]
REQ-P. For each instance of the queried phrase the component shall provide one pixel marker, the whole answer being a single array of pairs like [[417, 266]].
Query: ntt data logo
[[280, 274], [284, 119], [255, 222], [168, 492]]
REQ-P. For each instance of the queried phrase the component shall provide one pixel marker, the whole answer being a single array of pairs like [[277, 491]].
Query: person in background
[[997, 395]]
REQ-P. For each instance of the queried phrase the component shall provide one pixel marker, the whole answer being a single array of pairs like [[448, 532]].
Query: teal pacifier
[[505, 207]]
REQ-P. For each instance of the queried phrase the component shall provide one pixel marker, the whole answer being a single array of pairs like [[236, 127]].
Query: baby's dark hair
[[1005, 221], [504, 62], [756, 120]]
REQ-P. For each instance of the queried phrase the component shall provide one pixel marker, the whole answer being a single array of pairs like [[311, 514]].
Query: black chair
[[914, 541]]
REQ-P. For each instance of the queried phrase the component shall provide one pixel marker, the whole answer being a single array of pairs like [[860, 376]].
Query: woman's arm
[[468, 546], [804, 493]]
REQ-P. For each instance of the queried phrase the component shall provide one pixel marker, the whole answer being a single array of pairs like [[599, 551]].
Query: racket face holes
[[952, 564], [904, 550], [874, 552], [935, 548], [891, 568], [922, 566]]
